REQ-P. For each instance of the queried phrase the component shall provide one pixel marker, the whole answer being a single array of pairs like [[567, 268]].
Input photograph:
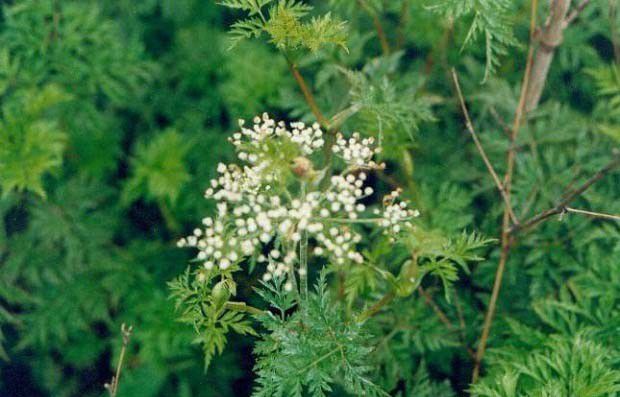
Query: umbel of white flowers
[[274, 202]]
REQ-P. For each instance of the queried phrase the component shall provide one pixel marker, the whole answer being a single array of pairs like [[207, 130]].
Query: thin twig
[[490, 313], [567, 199], [112, 387], [431, 303], [402, 24], [593, 214], [385, 45], [428, 299], [459, 313], [506, 237], [575, 13], [600, 174], [314, 108], [487, 162], [500, 120], [529, 201]]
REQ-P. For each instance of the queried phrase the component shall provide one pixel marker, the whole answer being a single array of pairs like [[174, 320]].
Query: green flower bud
[[221, 293], [408, 279]]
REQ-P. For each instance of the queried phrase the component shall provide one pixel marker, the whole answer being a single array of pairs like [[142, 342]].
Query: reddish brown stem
[[402, 24], [314, 108], [488, 319], [505, 237], [431, 303], [385, 45], [428, 299]]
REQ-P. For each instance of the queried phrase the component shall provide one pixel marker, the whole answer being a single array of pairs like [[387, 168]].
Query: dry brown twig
[[509, 235], [112, 387], [462, 326], [593, 214], [430, 302], [506, 240], [485, 158], [500, 120], [428, 299], [561, 207], [575, 13], [536, 71]]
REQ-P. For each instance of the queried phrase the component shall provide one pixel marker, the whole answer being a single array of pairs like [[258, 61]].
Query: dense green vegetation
[[497, 120]]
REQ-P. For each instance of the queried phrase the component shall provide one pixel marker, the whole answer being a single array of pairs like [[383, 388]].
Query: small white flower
[[224, 264]]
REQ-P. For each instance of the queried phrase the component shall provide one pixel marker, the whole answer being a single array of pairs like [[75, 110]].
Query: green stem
[[318, 360], [293, 280], [243, 307], [374, 309], [303, 264], [169, 219], [303, 257]]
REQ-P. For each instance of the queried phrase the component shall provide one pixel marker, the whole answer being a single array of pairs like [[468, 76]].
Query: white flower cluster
[[356, 151], [309, 139], [277, 266], [339, 244], [345, 193], [257, 209], [233, 182], [396, 214]]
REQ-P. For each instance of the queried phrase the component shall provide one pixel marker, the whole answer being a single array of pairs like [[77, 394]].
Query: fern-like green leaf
[[491, 20], [159, 170], [31, 142]]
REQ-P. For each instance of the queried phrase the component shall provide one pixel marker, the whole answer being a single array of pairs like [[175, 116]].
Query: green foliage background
[[114, 115]]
